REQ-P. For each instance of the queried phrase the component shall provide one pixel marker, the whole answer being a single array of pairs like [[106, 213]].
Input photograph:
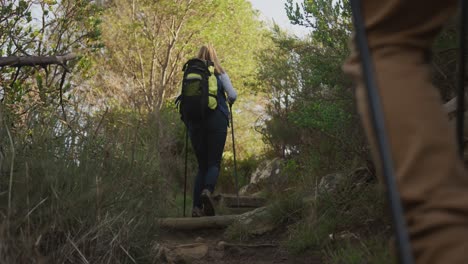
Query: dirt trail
[[203, 246], [218, 250]]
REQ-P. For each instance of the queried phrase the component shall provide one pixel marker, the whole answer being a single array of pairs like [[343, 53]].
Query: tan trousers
[[431, 178]]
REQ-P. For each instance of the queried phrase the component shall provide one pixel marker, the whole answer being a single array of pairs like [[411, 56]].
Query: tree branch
[[19, 61]]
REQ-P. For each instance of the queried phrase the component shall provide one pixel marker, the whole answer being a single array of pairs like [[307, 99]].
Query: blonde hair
[[207, 52]]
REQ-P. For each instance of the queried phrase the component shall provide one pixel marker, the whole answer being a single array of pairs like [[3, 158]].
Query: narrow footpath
[[203, 240]]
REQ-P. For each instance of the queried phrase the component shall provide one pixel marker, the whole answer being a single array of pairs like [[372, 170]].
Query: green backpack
[[199, 90]]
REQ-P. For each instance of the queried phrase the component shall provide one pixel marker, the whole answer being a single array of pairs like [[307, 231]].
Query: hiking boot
[[207, 202], [197, 212]]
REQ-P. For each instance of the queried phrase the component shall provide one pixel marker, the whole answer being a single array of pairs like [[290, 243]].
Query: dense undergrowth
[[90, 197]]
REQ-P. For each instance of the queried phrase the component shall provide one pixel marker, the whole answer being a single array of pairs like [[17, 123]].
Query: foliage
[[445, 60], [94, 197], [150, 42], [331, 26], [63, 27], [312, 112], [287, 208], [147, 46], [350, 209], [237, 232], [372, 250], [13, 35]]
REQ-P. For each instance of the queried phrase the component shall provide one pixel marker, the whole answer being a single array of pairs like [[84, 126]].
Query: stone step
[[231, 201]]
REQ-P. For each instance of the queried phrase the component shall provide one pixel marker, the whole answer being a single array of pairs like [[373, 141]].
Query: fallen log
[[192, 223]]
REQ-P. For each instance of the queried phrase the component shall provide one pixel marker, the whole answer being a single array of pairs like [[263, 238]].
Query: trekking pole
[[185, 173], [234, 152], [461, 77], [377, 120]]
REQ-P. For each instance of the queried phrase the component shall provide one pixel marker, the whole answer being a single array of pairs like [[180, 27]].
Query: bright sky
[[274, 10]]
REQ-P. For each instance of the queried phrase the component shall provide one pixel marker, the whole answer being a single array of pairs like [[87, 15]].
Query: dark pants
[[208, 139]]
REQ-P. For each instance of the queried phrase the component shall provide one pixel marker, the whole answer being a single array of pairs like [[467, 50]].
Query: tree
[[281, 77], [57, 28], [312, 108], [331, 25], [150, 41]]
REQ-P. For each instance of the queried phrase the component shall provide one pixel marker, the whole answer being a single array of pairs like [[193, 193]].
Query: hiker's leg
[[196, 134], [197, 189], [430, 175], [217, 133]]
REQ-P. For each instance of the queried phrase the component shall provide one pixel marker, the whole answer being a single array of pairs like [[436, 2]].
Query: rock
[[248, 217], [262, 229], [257, 222], [183, 254], [187, 253], [220, 245], [362, 175], [267, 172], [345, 235], [247, 189], [358, 177], [267, 169], [257, 194], [329, 183]]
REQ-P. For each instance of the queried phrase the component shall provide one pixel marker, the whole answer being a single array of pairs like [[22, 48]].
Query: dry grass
[[89, 197]]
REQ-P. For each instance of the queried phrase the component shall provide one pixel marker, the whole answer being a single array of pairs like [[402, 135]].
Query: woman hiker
[[209, 136]]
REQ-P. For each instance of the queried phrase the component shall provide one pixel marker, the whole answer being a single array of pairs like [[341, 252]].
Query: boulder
[[358, 177], [267, 172], [257, 222], [329, 183], [362, 175]]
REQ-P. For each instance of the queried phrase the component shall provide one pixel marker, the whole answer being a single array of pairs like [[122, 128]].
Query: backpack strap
[[185, 66], [177, 100]]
